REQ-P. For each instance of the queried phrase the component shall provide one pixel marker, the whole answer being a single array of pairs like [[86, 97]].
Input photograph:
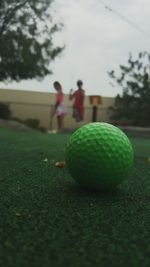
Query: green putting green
[[48, 220]]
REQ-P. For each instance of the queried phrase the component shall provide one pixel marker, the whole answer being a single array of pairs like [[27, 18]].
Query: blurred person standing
[[78, 104], [59, 108]]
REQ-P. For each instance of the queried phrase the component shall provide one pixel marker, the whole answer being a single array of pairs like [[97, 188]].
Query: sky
[[96, 41]]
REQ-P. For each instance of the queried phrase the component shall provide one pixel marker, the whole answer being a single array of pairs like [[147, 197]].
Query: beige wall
[[29, 104]]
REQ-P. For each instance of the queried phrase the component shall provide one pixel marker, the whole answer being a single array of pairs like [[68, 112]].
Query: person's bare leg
[[58, 123], [62, 122]]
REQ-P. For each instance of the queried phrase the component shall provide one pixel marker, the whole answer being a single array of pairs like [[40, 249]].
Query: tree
[[133, 106], [26, 39]]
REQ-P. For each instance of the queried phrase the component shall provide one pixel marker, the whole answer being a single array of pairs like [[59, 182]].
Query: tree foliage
[[133, 106], [26, 39], [5, 112]]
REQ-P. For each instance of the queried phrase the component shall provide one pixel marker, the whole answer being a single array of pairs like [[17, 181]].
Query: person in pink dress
[[59, 108]]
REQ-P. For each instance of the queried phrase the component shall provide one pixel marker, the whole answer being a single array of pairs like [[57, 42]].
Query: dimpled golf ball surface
[[99, 156]]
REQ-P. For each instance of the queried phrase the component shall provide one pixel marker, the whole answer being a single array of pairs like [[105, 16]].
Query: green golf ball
[[99, 156]]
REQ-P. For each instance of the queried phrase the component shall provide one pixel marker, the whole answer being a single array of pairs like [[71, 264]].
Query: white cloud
[[96, 41]]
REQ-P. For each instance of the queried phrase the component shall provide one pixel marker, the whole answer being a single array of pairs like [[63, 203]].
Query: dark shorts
[[77, 114]]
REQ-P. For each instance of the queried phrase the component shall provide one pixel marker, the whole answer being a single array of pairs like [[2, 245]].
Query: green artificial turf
[[47, 220]]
